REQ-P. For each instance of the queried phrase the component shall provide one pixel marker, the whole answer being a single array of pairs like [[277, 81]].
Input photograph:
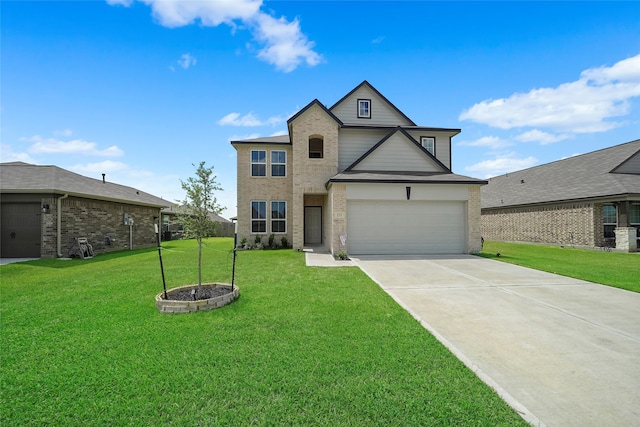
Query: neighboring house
[[359, 176], [172, 229], [45, 208], [588, 200]]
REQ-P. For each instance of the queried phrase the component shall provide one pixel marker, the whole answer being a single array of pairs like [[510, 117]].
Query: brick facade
[[577, 224], [474, 232], [265, 188], [101, 222], [311, 174]]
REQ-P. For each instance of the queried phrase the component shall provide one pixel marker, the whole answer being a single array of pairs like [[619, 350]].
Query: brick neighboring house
[[359, 176], [45, 208], [588, 200]]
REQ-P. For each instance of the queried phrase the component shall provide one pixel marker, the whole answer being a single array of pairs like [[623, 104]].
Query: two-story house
[[359, 176]]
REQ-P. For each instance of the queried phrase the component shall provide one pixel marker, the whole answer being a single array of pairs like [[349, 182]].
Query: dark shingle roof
[[18, 177], [278, 139], [405, 177], [586, 176]]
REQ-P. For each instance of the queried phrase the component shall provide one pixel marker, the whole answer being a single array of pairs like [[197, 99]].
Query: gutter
[[59, 225]]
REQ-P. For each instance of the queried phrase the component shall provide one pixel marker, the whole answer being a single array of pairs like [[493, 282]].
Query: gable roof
[[19, 177], [374, 90], [429, 159], [308, 106], [598, 174]]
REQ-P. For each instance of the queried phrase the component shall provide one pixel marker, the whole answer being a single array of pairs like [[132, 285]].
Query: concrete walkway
[[562, 352]]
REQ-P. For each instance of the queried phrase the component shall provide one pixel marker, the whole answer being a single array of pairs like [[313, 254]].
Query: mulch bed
[[206, 293]]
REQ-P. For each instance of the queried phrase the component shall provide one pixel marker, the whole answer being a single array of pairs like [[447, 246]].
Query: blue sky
[[141, 90]]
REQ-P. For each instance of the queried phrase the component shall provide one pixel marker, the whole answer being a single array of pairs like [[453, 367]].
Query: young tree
[[199, 203]]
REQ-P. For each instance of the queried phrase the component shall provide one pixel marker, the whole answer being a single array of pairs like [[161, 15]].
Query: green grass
[[621, 270], [83, 344]]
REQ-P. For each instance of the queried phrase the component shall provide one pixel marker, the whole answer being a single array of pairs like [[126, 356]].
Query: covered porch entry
[[315, 225]]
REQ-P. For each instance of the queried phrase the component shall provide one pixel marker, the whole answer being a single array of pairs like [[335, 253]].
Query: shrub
[[341, 255], [258, 239], [272, 238], [284, 241]]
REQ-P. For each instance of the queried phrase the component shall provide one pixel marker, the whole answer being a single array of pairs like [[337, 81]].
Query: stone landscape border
[[175, 306]]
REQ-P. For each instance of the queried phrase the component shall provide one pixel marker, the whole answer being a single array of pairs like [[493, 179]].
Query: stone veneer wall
[[97, 220], [565, 224]]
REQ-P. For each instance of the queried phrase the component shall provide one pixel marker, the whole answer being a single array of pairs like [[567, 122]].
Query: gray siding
[[443, 144], [353, 143], [398, 154], [632, 165], [381, 112]]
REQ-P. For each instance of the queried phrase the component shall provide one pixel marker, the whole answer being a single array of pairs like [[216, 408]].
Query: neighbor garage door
[[406, 227], [20, 230]]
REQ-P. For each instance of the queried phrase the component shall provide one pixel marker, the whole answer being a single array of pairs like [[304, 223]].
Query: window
[[258, 163], [634, 219], [364, 108], [278, 217], [316, 147], [429, 143], [609, 220], [259, 217], [278, 163]]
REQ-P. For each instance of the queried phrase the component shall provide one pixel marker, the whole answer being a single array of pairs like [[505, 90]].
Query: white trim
[[364, 113], [429, 143]]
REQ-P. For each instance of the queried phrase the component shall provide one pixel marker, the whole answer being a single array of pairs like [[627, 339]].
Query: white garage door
[[405, 227]]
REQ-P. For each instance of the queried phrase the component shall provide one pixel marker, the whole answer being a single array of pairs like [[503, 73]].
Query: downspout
[[59, 225]]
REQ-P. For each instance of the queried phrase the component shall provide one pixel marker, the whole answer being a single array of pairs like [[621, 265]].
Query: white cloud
[[502, 164], [187, 60], [77, 146], [582, 106], [492, 142], [377, 40], [285, 46], [248, 120], [543, 138], [64, 132], [8, 155]]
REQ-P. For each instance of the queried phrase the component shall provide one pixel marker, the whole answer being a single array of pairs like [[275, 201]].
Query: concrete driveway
[[561, 351]]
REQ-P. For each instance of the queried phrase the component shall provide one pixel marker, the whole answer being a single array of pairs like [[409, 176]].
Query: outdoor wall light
[[45, 208]]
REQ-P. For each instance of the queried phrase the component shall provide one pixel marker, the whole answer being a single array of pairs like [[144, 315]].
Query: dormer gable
[[398, 152], [365, 106], [313, 103]]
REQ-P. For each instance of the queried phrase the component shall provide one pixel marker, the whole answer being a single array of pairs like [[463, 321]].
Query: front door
[[313, 225]]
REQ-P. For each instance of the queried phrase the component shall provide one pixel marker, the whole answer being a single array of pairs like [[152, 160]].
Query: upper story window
[[278, 163], [258, 163], [609, 220], [364, 108], [429, 143], [316, 147]]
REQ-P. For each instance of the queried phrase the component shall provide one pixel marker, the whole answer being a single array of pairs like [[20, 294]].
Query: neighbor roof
[[19, 177], [588, 176]]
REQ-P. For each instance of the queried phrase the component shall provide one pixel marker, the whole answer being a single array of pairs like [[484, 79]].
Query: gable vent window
[[429, 143], [364, 108], [316, 147]]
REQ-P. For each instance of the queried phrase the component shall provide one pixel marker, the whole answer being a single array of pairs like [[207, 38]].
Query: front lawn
[[83, 344], [621, 270]]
